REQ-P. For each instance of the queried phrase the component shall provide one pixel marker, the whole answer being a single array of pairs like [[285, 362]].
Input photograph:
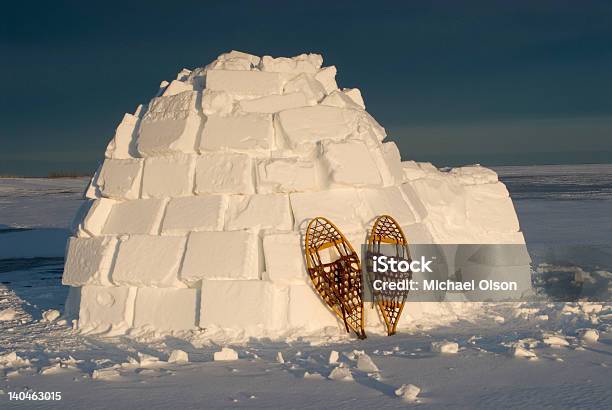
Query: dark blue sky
[[489, 82]]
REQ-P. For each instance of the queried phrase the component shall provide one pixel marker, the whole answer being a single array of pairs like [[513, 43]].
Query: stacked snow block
[[196, 216]]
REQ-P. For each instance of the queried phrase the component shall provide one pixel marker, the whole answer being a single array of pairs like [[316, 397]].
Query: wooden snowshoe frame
[[339, 282], [386, 231]]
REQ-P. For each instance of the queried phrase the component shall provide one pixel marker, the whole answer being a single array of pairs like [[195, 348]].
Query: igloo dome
[[196, 217]]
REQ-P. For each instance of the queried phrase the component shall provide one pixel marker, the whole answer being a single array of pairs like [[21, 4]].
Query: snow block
[[88, 261], [307, 85], [170, 125], [285, 175], [169, 176], [341, 99], [149, 261], [307, 311], [274, 103], [474, 174], [418, 208], [217, 103], [386, 201], [245, 83], [222, 255], [489, 209], [327, 77], [341, 206], [349, 163], [234, 60], [140, 216], [108, 310], [249, 132], [304, 63], [284, 258], [120, 178], [120, 146], [412, 171], [307, 125], [443, 199], [194, 213], [166, 309], [253, 306], [224, 172], [393, 162], [177, 87], [96, 217], [262, 211]]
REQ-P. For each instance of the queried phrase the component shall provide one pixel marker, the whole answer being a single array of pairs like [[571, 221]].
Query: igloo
[[196, 217]]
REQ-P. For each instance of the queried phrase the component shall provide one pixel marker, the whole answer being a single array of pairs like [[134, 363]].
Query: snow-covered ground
[[536, 354]]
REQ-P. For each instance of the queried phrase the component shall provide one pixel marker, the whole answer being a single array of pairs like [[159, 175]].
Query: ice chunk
[[88, 261], [245, 83], [285, 175], [274, 103], [140, 216], [284, 258], [51, 315], [408, 392], [153, 261], [107, 310], [224, 172], [349, 163], [341, 374], [263, 211], [222, 255], [178, 356], [304, 63], [588, 335], [307, 85], [327, 77], [341, 206], [554, 340], [387, 201], [444, 347], [519, 351], [166, 309], [366, 364], [225, 354], [279, 358], [170, 125], [307, 310], [307, 125], [248, 132], [8, 314], [253, 306], [194, 213], [120, 146], [168, 176], [333, 357], [120, 178]]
